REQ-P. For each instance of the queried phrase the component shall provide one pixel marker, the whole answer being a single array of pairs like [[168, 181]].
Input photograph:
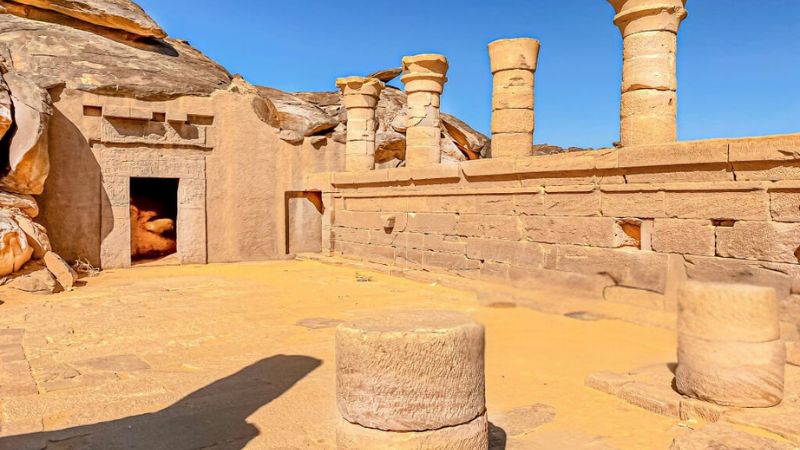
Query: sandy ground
[[242, 356]]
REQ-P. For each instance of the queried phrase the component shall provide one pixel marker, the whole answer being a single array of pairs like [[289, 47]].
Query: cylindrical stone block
[[513, 63], [424, 77], [729, 347], [473, 435], [649, 74], [410, 371], [360, 97]]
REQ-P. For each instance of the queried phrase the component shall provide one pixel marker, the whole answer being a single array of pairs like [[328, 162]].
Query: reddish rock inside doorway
[[154, 210]]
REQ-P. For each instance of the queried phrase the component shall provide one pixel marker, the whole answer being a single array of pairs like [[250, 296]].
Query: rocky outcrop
[[290, 112], [28, 162], [122, 15], [6, 117], [58, 50], [14, 248]]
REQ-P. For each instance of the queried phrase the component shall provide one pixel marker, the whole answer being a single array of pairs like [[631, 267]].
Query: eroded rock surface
[[55, 52], [14, 248], [5, 107], [123, 15], [724, 437]]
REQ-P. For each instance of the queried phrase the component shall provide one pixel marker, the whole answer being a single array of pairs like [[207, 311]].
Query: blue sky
[[738, 60]]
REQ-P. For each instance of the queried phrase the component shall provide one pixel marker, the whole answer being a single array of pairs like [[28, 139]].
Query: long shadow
[[214, 417]]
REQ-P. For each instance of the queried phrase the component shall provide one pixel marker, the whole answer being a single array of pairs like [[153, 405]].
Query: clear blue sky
[[738, 60]]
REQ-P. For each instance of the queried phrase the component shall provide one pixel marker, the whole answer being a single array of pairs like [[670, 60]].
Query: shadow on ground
[[214, 417]]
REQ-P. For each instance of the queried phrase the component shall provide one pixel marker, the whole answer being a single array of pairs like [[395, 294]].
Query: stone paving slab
[[652, 388]]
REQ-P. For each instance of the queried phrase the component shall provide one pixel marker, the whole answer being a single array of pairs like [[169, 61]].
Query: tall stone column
[[649, 81], [513, 64], [360, 98], [424, 77]]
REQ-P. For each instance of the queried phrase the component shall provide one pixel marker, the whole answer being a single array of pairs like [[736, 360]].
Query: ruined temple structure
[[124, 144]]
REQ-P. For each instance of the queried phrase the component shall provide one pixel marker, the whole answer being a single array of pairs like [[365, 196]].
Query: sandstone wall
[[233, 171], [624, 225]]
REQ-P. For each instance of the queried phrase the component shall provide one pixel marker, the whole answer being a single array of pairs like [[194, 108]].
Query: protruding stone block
[[360, 98], [410, 371], [729, 347], [513, 66], [473, 435], [424, 77]]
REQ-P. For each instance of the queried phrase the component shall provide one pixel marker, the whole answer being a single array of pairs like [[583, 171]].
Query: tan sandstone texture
[[473, 435], [513, 63], [360, 97], [424, 77], [410, 370], [729, 347], [649, 83]]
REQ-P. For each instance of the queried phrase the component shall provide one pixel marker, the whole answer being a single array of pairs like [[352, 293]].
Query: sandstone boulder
[[122, 15], [28, 162], [387, 75], [64, 274], [52, 52], [38, 282], [24, 203], [14, 248], [5, 108], [410, 370], [290, 112], [35, 233]]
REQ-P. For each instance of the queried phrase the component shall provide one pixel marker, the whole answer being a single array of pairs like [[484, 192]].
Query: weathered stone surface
[[290, 112], [719, 436], [5, 107], [14, 248], [387, 75], [473, 435], [24, 203], [28, 159], [410, 370], [764, 241], [36, 235], [741, 374], [728, 312], [123, 15], [98, 60], [65, 275], [693, 237], [38, 282]]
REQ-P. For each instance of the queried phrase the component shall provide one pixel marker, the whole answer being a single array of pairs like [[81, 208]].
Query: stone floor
[[242, 356]]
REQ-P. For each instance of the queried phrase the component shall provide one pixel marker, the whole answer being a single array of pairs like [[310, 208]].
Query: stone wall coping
[[687, 154]]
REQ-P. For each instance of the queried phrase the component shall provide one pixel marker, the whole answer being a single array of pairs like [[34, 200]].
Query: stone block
[[593, 231], [740, 374], [734, 205], [577, 284], [608, 382], [513, 121], [633, 204], [768, 148], [432, 223], [728, 312], [471, 435], [358, 219], [449, 262], [685, 236], [634, 297], [724, 270], [767, 171], [494, 271], [572, 203], [654, 398], [650, 72], [531, 204], [626, 267], [374, 253], [519, 253], [785, 206], [690, 153], [410, 370], [490, 226], [723, 436], [502, 204], [512, 145], [445, 244], [762, 241]]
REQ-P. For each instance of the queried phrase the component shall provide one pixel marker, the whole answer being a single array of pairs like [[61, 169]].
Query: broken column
[[411, 379], [649, 103], [729, 345], [513, 63], [424, 77], [360, 98]]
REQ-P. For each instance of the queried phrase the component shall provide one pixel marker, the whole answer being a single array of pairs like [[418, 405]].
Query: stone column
[[424, 77], [649, 103], [410, 380], [360, 97], [730, 350], [513, 64]]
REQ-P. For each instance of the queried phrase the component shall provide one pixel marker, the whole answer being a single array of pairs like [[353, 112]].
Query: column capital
[[636, 16], [360, 86], [425, 73], [509, 54]]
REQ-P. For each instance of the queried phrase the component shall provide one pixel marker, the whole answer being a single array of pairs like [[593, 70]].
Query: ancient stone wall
[[625, 225]]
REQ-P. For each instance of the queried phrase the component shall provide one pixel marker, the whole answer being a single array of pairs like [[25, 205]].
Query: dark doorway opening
[[154, 216]]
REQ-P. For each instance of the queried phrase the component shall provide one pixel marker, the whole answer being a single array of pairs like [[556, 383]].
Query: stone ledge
[[401, 174]]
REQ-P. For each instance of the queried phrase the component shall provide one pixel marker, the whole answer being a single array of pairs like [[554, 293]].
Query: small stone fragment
[[39, 282], [65, 275]]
